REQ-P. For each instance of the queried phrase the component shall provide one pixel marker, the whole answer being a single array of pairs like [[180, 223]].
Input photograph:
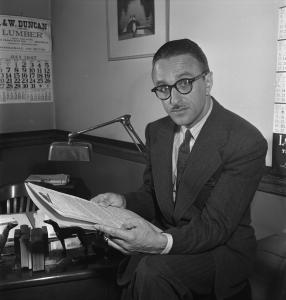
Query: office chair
[[14, 199]]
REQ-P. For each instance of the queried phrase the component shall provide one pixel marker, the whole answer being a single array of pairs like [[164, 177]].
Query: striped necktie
[[183, 153]]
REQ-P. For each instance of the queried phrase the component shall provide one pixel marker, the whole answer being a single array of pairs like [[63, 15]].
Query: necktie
[[183, 154]]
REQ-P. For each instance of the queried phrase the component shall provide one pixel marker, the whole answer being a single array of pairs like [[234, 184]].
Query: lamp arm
[[76, 133], [134, 136], [124, 120]]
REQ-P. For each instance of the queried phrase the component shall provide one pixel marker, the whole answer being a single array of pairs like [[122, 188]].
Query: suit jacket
[[212, 209]]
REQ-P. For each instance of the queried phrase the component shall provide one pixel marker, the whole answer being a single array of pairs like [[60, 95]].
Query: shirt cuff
[[169, 243]]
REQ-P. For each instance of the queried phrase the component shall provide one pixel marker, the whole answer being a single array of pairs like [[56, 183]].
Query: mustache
[[176, 107]]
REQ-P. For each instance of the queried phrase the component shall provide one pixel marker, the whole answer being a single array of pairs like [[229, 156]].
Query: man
[[202, 205]]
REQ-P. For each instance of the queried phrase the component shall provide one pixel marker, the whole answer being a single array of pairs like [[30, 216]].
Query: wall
[[86, 83], [29, 116]]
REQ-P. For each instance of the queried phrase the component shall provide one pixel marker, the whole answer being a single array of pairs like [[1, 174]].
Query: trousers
[[168, 277]]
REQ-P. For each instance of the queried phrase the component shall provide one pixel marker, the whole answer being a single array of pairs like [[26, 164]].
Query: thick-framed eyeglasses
[[183, 86]]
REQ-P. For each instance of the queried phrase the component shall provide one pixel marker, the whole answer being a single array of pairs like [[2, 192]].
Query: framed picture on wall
[[136, 28]]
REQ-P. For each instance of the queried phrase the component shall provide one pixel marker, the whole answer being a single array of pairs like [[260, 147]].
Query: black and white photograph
[[136, 28], [142, 149], [135, 18]]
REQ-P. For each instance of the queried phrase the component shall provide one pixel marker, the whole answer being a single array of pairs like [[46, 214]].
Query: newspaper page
[[68, 210]]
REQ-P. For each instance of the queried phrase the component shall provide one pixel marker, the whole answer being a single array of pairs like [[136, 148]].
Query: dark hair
[[182, 46]]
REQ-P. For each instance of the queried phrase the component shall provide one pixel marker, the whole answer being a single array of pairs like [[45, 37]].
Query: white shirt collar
[[195, 130]]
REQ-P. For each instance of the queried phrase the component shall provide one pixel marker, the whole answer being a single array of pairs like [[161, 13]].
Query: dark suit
[[212, 210]]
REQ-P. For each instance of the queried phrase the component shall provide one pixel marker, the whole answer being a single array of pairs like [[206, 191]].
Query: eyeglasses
[[183, 86]]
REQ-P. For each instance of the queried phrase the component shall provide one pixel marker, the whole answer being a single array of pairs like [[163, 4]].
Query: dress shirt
[[178, 140]]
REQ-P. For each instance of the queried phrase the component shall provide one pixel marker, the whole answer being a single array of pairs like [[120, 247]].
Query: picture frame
[[133, 33]]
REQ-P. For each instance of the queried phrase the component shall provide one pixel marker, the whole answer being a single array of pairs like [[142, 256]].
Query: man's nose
[[176, 96]]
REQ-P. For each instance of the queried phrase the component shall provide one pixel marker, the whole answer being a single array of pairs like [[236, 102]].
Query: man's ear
[[209, 82]]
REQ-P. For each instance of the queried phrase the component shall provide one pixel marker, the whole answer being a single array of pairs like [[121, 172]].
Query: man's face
[[186, 109]]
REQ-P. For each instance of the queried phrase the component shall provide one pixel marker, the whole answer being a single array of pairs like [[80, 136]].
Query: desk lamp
[[81, 151]]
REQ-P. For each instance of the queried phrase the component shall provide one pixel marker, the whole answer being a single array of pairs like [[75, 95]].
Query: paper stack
[[55, 179]]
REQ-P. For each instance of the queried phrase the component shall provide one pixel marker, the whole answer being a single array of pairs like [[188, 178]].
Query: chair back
[[14, 199]]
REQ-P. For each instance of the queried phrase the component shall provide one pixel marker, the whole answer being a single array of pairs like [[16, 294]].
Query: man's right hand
[[110, 199]]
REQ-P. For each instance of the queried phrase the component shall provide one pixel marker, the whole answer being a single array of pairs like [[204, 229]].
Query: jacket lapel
[[162, 169], [199, 166]]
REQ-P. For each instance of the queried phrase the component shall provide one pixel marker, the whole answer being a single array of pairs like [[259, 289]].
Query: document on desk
[[68, 210], [54, 179]]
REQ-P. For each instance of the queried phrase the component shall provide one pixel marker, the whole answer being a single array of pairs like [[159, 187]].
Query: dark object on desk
[[25, 253], [31, 248], [4, 236], [271, 183], [17, 249], [39, 247], [278, 154], [63, 233], [92, 238]]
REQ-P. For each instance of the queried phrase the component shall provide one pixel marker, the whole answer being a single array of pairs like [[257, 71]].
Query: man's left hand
[[135, 236]]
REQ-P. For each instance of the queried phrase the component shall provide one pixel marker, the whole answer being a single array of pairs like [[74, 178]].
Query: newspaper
[[69, 210]]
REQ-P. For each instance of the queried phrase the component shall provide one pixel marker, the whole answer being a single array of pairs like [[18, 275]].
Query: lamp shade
[[70, 151]]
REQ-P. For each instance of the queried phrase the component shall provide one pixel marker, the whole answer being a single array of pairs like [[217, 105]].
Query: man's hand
[[110, 199], [135, 236]]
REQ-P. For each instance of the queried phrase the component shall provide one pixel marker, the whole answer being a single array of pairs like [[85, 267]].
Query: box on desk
[[31, 247], [28, 240]]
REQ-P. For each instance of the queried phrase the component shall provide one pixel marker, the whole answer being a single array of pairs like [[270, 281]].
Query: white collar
[[195, 130]]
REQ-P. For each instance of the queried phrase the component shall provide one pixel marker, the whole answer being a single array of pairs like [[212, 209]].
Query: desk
[[79, 280]]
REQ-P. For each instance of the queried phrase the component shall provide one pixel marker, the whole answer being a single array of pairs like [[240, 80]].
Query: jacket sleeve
[[227, 209]]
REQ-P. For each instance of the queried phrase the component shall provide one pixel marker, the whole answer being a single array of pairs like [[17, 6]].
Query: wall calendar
[[25, 60]]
